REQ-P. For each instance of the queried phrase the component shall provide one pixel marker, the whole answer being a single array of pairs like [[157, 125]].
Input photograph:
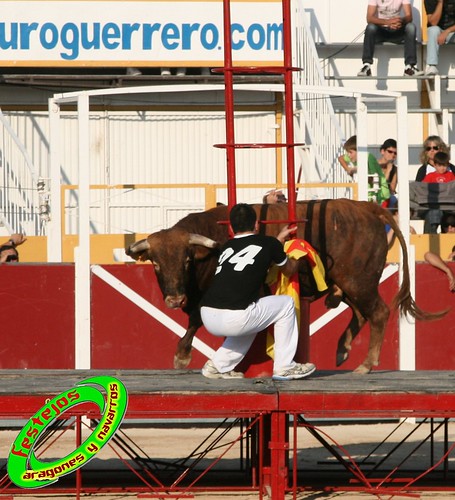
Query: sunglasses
[[391, 151], [434, 148]]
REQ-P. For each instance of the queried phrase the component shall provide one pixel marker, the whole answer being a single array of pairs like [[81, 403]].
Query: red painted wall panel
[[37, 315], [324, 342], [37, 305], [124, 336], [435, 340]]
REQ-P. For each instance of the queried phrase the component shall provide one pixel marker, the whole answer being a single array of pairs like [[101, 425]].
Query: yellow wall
[[440, 244], [35, 248]]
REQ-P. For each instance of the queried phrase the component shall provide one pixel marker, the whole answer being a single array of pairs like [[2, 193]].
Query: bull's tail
[[403, 299]]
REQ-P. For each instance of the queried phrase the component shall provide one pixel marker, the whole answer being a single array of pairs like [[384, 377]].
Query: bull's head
[[172, 252]]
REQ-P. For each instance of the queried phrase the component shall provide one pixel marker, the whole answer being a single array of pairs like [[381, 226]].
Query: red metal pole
[[289, 107], [229, 105]]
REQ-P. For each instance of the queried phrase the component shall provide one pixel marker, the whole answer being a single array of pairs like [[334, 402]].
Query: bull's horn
[[198, 239], [139, 246]]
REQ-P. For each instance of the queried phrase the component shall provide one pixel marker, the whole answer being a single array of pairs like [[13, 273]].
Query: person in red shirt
[[442, 173]]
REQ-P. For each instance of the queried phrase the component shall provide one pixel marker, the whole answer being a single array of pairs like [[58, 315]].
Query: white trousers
[[241, 326]]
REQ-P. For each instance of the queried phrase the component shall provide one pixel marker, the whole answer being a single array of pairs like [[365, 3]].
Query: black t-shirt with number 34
[[242, 269]]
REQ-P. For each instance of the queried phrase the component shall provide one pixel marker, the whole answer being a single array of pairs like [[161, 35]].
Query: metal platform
[[264, 412]]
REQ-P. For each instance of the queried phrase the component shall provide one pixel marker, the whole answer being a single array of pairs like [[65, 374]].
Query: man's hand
[[17, 239], [284, 234]]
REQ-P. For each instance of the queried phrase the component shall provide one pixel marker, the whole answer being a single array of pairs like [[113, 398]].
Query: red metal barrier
[[38, 324]]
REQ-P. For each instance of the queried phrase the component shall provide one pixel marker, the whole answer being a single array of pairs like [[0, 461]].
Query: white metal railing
[[315, 117], [23, 197]]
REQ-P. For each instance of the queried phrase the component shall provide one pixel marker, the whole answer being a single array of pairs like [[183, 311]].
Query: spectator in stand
[[8, 251], [442, 174], [386, 23], [447, 226], [274, 196], [431, 146], [387, 163], [440, 30], [349, 162]]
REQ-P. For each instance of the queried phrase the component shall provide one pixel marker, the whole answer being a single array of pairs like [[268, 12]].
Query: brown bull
[[349, 235]]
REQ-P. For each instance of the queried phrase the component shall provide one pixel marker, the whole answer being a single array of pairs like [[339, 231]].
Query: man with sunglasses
[[8, 251]]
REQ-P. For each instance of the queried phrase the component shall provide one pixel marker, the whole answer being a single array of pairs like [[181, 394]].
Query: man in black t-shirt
[[232, 307], [440, 30]]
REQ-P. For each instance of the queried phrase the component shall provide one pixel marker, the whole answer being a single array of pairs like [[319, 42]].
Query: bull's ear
[[138, 250], [201, 246], [201, 252]]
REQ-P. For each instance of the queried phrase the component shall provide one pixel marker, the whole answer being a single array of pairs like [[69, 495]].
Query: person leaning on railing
[[8, 251], [447, 226], [380, 193]]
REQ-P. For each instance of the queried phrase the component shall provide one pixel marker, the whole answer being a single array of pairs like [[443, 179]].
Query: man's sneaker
[[431, 70], [133, 71], [296, 372], [411, 70], [209, 370], [365, 71]]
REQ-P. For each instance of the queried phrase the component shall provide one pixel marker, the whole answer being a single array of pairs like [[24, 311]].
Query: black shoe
[[365, 71], [411, 70]]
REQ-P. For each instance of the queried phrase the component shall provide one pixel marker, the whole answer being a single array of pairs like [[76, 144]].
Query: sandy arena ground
[[358, 441]]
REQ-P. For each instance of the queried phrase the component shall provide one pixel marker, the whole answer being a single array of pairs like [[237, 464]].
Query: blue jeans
[[433, 46], [376, 34]]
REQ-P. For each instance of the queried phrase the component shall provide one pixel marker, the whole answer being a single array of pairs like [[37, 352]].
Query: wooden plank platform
[[187, 394]]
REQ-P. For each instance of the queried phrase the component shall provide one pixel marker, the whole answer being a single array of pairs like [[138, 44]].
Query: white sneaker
[[295, 372], [181, 72], [210, 371], [133, 71], [431, 70], [165, 71]]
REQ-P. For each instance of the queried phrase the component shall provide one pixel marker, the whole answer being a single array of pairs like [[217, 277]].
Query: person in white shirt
[[386, 23]]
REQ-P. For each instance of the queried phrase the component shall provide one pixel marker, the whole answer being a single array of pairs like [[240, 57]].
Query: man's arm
[[350, 170], [407, 11], [290, 267], [438, 263], [434, 16], [372, 18], [17, 239]]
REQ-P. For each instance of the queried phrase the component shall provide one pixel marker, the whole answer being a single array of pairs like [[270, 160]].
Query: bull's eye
[[155, 265]]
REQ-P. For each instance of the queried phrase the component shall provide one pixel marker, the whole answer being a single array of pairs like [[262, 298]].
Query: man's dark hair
[[448, 219], [389, 143], [9, 247], [242, 218], [441, 158]]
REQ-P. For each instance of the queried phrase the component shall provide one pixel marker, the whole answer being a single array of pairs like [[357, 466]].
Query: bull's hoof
[[362, 370], [342, 356], [180, 363]]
